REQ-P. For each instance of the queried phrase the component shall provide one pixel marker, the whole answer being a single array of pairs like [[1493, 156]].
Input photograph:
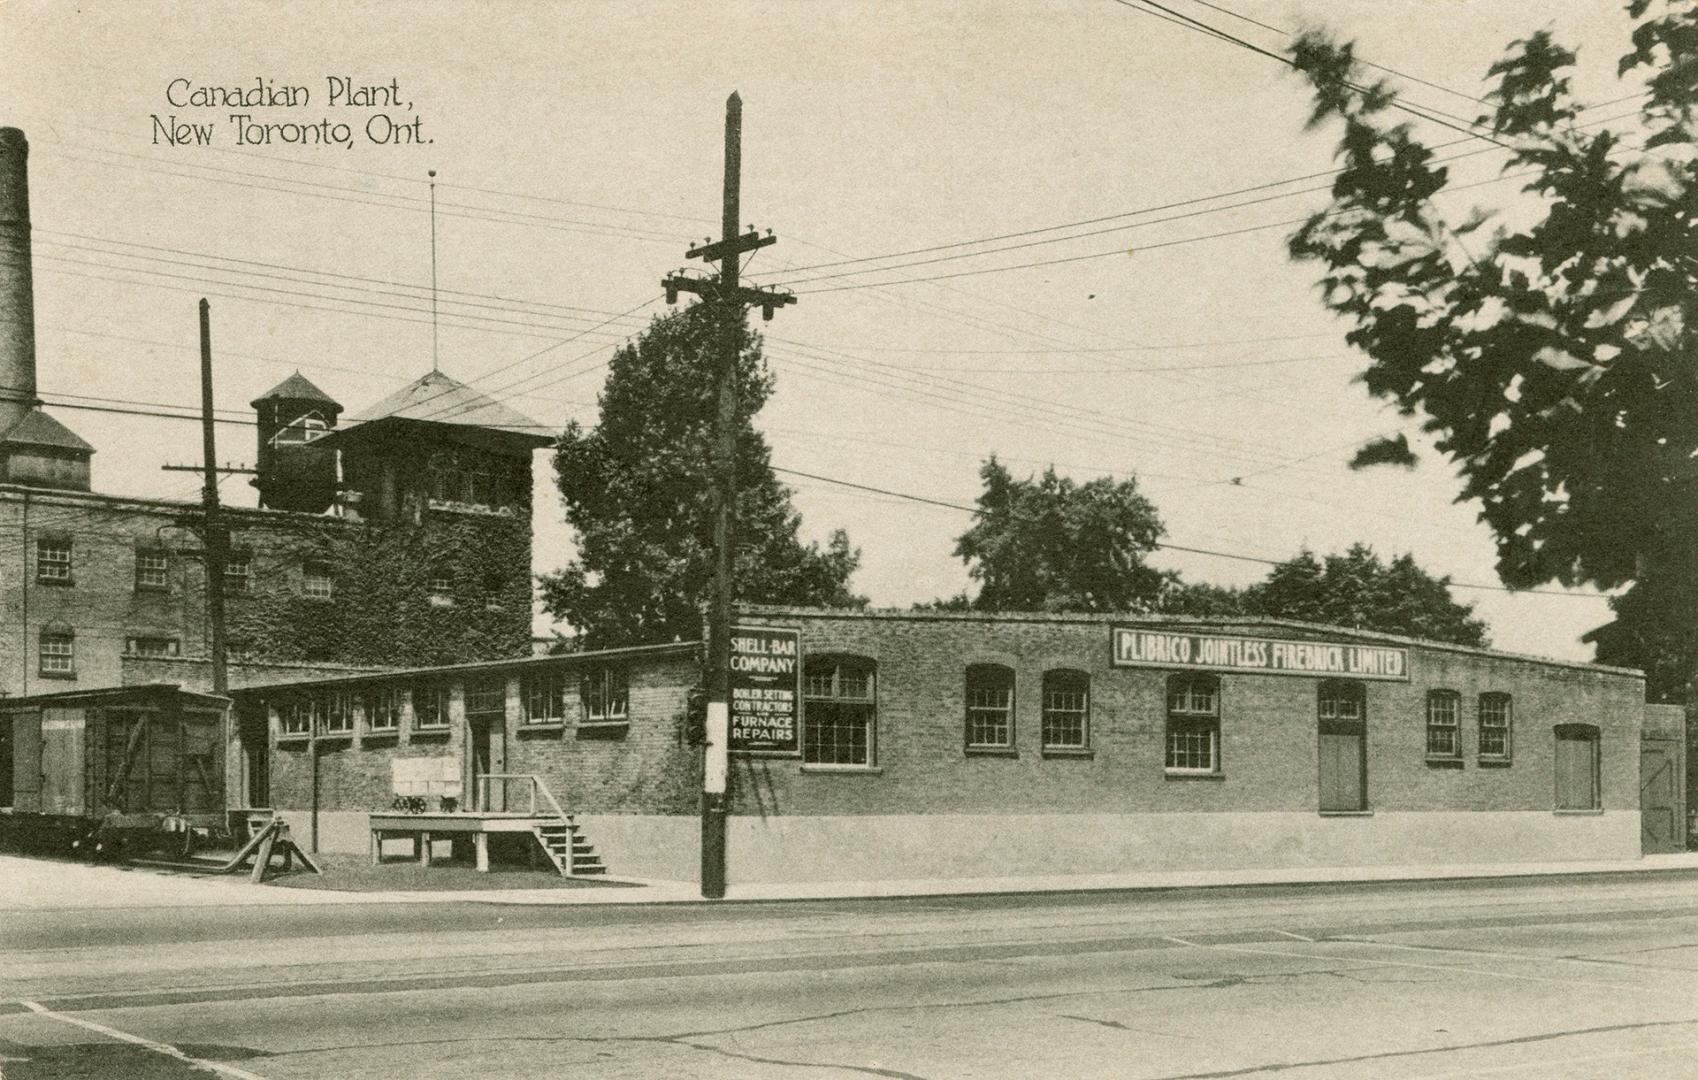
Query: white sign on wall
[[1238, 652], [428, 776]]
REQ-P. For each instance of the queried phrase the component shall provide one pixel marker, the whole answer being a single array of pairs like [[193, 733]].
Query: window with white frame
[[338, 713], [1067, 710], [153, 569], [1495, 723], [58, 651], [153, 648], [1444, 725], [606, 695], [545, 697], [1193, 724], [839, 711], [382, 708], [430, 706], [318, 580], [238, 570], [53, 560], [990, 707]]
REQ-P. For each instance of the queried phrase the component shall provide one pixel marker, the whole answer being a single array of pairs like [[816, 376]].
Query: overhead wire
[[1159, 545]]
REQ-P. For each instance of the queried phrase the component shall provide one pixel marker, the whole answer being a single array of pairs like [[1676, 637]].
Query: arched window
[[990, 707], [1444, 725], [1067, 710], [1341, 710], [1495, 727], [57, 649], [1193, 724], [1577, 786], [839, 710]]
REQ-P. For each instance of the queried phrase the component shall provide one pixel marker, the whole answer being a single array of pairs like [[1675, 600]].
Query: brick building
[[398, 539], [937, 744]]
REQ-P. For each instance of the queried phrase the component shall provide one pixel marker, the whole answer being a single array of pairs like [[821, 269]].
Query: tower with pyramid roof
[[437, 445], [296, 471]]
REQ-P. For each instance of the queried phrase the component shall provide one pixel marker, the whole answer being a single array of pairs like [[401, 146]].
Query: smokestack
[[17, 292]]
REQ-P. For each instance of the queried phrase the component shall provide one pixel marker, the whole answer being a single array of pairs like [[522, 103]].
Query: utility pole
[[215, 541], [727, 300]]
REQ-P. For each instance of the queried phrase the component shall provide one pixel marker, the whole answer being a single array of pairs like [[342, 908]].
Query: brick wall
[[384, 613], [1268, 730], [644, 766], [649, 767]]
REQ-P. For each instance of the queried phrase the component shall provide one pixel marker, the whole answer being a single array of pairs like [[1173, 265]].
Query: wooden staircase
[[556, 830], [567, 849]]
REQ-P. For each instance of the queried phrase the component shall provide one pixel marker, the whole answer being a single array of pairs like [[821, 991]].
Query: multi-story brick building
[[398, 539], [930, 744]]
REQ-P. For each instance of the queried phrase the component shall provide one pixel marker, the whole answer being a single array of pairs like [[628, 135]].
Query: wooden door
[[256, 750], [1662, 815], [1576, 769], [1342, 784], [62, 761], [26, 760]]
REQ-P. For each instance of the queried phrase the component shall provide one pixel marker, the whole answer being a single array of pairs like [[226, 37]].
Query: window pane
[[53, 560], [606, 697], [1444, 734], [1066, 710], [1494, 725], [838, 712], [990, 706], [837, 733]]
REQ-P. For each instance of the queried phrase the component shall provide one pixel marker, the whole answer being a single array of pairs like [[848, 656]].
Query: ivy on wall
[[451, 589]]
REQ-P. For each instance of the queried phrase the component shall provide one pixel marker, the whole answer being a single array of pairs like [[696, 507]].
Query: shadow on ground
[[111, 1061], [355, 873]]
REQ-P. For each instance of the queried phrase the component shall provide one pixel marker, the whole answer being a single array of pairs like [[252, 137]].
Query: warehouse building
[[884, 744]]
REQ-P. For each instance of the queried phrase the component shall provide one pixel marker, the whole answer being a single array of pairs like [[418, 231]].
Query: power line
[[1365, 63], [1110, 217], [1164, 244], [1425, 112], [552, 330], [501, 192], [316, 272], [292, 279], [1160, 545], [277, 360], [399, 202]]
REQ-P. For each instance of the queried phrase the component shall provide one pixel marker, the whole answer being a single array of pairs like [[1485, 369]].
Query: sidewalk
[[44, 884]]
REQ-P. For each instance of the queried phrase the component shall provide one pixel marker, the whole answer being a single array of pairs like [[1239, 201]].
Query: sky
[[577, 148]]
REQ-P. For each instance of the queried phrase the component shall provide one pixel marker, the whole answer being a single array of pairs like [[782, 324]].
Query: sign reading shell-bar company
[[1236, 652], [766, 689]]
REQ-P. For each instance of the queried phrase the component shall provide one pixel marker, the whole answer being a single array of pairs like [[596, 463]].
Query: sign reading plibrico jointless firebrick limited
[[766, 689], [1235, 652]]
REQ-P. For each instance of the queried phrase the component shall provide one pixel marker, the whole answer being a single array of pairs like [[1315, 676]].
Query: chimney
[[17, 292], [35, 449]]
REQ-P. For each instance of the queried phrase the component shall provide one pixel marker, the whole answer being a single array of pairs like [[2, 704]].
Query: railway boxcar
[[103, 770]]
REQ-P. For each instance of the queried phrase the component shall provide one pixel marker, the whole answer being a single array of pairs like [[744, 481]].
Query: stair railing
[[536, 789]]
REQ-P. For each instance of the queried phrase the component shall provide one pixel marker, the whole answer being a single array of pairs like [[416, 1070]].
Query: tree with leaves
[[1356, 589], [1554, 362], [638, 492], [1046, 543]]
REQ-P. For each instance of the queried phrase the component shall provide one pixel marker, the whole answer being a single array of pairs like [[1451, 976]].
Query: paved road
[[1535, 979]]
